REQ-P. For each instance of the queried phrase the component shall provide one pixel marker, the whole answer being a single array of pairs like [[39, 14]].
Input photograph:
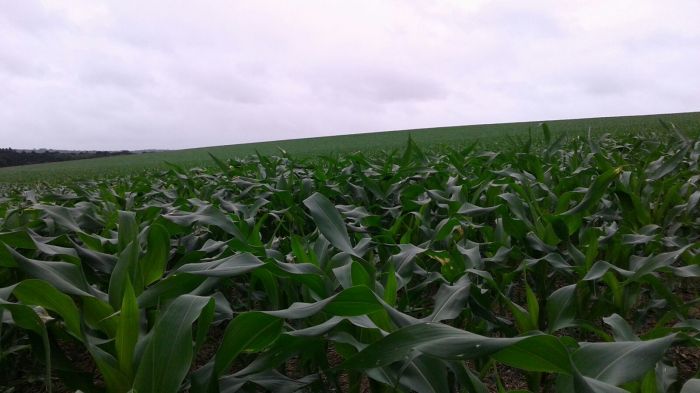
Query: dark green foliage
[[573, 259]]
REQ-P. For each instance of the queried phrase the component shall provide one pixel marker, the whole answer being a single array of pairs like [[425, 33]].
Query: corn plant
[[541, 264]]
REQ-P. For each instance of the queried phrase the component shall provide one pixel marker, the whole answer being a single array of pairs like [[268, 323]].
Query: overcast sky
[[177, 74]]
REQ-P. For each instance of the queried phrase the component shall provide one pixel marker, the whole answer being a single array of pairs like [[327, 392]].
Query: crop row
[[555, 264]]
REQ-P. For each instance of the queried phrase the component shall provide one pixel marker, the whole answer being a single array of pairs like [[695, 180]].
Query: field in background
[[488, 134]]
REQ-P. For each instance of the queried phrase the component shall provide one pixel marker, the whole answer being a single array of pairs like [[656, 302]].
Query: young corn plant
[[555, 262]]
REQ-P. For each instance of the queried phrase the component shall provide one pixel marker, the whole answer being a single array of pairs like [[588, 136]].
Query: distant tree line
[[12, 157]]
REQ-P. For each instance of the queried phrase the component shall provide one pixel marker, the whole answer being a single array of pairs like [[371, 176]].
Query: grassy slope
[[83, 169]]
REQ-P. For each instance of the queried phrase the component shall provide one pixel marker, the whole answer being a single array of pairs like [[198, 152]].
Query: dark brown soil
[[687, 360], [210, 346], [511, 379], [29, 374]]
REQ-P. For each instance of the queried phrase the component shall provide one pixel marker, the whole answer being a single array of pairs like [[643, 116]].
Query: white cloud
[[176, 74]]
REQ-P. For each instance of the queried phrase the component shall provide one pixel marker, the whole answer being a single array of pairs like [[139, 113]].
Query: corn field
[[552, 264]]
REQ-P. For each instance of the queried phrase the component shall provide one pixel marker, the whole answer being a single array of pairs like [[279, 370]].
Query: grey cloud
[[20, 66], [376, 85], [29, 16], [114, 73], [169, 74], [663, 40], [517, 22], [606, 81], [231, 85], [606, 86]]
